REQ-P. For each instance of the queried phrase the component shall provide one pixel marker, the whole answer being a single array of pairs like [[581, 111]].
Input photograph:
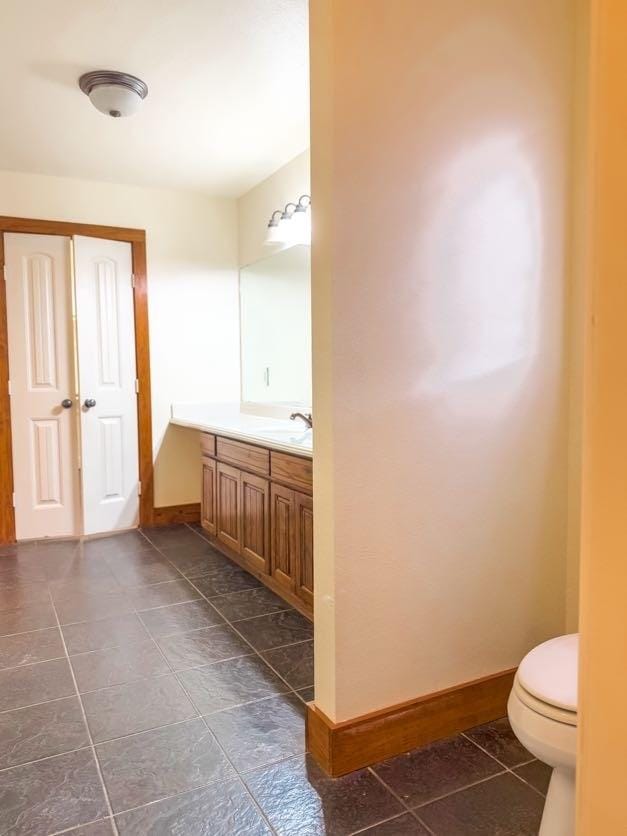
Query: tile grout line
[[230, 623], [418, 807], [406, 807], [510, 769], [48, 757], [78, 694], [213, 735], [387, 821], [89, 734], [73, 829]]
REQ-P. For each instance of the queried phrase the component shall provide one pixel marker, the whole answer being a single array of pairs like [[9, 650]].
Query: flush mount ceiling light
[[291, 225], [112, 93]]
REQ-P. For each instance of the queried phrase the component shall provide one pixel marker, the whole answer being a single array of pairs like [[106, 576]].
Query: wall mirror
[[275, 326]]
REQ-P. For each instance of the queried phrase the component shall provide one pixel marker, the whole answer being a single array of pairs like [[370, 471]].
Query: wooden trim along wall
[[7, 514], [170, 514], [137, 240], [343, 747]]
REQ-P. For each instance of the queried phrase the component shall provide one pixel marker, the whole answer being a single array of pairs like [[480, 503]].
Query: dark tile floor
[[149, 686]]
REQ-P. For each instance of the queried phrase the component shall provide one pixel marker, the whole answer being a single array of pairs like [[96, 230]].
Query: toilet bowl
[[542, 711]]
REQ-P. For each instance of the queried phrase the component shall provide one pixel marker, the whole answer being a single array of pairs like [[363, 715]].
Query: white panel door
[[45, 457], [107, 373]]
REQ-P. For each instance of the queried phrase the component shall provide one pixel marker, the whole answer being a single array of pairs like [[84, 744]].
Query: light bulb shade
[[112, 93], [300, 231], [273, 235]]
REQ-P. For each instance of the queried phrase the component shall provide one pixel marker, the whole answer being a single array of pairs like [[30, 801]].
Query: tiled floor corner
[[150, 686]]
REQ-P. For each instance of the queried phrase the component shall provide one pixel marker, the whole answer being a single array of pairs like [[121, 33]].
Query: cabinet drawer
[[246, 456], [208, 444], [291, 470]]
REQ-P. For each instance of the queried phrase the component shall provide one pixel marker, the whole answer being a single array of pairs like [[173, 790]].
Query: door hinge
[[4, 271], [137, 385], [139, 489], [13, 499], [9, 388], [133, 280]]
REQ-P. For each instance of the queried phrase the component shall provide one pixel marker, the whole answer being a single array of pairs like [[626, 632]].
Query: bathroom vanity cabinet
[[257, 507]]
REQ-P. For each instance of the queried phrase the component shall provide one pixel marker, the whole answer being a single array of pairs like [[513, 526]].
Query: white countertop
[[228, 420]]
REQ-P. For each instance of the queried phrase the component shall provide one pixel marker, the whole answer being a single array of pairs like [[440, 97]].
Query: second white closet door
[[107, 372]]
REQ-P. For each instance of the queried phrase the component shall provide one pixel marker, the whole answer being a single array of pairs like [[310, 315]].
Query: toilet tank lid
[[549, 672]]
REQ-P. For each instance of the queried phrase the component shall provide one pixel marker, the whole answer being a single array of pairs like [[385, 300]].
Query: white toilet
[[542, 710]]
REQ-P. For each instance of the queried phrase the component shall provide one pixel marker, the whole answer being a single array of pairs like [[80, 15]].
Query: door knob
[[66, 403], [89, 402]]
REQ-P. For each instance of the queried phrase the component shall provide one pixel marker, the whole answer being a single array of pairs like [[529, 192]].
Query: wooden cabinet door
[[208, 495], [283, 534], [228, 506], [255, 521], [304, 547]]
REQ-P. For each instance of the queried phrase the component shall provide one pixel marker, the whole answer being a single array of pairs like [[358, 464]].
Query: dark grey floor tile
[[442, 767], [537, 774], [32, 684], [180, 618], [27, 648], [261, 732], [233, 682], [51, 795], [66, 568], [223, 579], [99, 635], [306, 694], [26, 569], [503, 805], [149, 766], [295, 663], [300, 800], [405, 825], [118, 665], [79, 606], [35, 616], [194, 559], [129, 542], [249, 603], [28, 734], [135, 707], [221, 810], [145, 572], [171, 536], [67, 587], [104, 827], [162, 594], [201, 647], [498, 739], [16, 593], [276, 630]]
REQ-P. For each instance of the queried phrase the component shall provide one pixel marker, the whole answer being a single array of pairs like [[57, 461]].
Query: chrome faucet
[[306, 418]]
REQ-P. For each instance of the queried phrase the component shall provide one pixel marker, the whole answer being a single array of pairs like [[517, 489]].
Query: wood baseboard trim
[[170, 514], [340, 748]]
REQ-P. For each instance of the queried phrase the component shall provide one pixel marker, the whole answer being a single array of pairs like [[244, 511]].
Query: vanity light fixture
[[285, 223], [293, 224], [273, 235], [113, 93], [301, 221]]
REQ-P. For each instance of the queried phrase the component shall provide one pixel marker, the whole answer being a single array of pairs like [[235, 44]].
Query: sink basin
[[293, 436]]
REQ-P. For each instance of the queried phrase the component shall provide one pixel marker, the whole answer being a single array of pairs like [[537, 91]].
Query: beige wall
[[193, 299], [602, 674], [255, 207], [439, 297]]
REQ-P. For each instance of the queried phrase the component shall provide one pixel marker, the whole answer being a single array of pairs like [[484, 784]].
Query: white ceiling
[[228, 99]]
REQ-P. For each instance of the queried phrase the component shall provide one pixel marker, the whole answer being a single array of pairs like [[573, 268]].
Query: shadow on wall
[[178, 456]]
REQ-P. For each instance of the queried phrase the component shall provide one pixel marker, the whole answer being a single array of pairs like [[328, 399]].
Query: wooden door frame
[[137, 239]]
